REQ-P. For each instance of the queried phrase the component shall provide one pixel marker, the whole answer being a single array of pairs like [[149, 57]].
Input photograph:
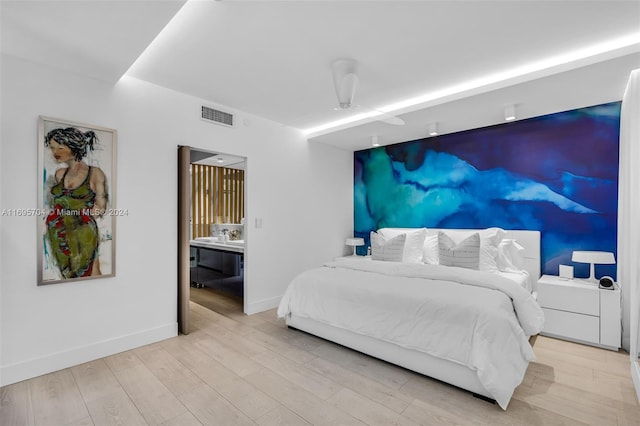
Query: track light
[[374, 141], [433, 129], [509, 113]]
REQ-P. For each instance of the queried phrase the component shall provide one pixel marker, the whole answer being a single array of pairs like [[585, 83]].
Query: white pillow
[[413, 246], [414, 243], [510, 256], [430, 250], [465, 254], [490, 238], [389, 233], [390, 250], [488, 257]]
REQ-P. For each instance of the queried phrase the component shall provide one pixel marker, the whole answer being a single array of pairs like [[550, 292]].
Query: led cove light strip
[[176, 23], [632, 40]]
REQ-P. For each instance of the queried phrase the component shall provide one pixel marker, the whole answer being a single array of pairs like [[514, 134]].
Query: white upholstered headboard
[[530, 240]]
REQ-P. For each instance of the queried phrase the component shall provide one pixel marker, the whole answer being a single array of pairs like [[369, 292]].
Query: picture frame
[[76, 201]]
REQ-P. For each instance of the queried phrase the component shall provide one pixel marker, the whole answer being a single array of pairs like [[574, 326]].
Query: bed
[[467, 326]]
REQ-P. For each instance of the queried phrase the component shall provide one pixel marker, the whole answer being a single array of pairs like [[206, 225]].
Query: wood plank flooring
[[234, 369]]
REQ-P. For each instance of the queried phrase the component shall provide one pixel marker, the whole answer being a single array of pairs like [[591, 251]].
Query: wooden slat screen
[[217, 196]]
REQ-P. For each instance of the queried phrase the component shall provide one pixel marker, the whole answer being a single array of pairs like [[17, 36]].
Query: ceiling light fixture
[[433, 129], [374, 141], [570, 60], [509, 113]]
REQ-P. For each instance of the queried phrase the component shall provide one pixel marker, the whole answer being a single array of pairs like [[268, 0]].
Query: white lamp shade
[[593, 257], [355, 242], [597, 257]]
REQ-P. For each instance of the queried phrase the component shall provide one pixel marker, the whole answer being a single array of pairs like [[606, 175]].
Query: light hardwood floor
[[251, 370]]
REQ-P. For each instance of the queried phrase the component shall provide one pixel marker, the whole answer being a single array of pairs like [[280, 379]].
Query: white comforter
[[473, 318]]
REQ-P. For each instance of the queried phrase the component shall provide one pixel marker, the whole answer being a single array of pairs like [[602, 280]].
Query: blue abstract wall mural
[[556, 173]]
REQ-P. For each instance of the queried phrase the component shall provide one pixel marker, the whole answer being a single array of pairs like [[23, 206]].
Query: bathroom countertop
[[212, 243]]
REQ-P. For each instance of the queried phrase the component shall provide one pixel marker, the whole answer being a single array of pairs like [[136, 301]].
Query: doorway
[[211, 232]]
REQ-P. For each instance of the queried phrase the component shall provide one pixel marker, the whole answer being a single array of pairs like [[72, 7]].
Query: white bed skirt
[[437, 368]]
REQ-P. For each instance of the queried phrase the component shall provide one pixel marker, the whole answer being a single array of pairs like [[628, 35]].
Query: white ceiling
[[217, 159], [272, 58], [99, 39]]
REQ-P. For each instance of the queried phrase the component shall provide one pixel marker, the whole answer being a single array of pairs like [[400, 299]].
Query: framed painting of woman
[[76, 201]]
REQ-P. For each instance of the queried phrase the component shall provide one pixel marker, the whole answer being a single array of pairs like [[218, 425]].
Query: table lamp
[[355, 242], [593, 258]]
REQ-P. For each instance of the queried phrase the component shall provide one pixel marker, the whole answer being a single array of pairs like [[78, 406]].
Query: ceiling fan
[[345, 80]]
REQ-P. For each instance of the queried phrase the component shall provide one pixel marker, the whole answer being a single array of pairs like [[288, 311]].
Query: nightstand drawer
[[570, 298], [575, 326]]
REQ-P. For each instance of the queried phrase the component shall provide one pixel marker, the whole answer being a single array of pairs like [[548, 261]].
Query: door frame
[[184, 232], [184, 262]]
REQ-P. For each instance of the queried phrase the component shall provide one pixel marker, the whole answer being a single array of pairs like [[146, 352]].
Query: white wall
[[302, 192]]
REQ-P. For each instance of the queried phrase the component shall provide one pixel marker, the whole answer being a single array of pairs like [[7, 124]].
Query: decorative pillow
[[465, 254], [490, 238], [430, 250], [510, 256], [391, 250], [413, 246]]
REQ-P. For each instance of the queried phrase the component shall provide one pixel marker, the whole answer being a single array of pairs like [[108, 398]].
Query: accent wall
[[556, 173]]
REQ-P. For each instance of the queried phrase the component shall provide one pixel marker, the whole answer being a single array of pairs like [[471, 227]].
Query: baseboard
[[262, 305], [635, 374], [38, 366]]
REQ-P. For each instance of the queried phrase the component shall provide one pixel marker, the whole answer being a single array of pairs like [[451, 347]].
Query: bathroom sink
[[236, 242]]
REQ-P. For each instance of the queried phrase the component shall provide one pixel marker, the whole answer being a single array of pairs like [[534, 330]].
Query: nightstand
[[580, 311]]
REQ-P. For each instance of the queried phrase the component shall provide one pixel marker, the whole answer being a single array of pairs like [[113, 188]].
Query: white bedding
[[473, 318], [522, 278]]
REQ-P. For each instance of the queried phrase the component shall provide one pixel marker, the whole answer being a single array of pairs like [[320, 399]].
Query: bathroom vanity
[[217, 264]]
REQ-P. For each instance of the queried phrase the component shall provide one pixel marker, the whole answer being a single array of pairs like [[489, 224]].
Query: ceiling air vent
[[217, 116]]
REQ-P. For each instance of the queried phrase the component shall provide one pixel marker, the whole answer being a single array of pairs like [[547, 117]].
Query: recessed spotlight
[[374, 141], [509, 113], [433, 129]]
